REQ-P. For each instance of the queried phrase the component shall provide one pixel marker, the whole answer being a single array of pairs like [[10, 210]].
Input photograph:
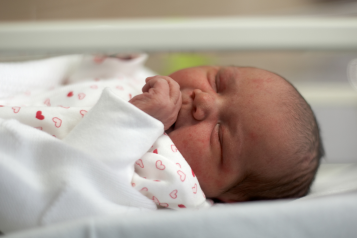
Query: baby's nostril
[[192, 95]]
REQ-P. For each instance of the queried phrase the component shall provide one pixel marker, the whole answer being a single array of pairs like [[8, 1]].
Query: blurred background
[[321, 76]]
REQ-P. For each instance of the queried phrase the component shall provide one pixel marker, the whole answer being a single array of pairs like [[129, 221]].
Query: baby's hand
[[161, 99]]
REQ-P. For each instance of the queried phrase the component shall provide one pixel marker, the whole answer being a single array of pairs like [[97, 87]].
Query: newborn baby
[[246, 132]]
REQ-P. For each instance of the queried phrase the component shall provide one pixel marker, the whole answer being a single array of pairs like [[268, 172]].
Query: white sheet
[[329, 217], [333, 213]]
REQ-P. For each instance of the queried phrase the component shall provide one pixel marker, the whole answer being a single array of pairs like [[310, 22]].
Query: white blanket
[[44, 180], [91, 171]]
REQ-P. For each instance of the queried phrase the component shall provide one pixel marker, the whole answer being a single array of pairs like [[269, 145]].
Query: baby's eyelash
[[216, 82], [219, 134], [220, 140]]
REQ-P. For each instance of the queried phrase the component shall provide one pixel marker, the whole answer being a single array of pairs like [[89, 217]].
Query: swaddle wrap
[[164, 176], [161, 174]]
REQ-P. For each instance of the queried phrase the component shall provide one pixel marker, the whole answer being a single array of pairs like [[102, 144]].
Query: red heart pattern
[[140, 163], [159, 165], [47, 102], [16, 109], [173, 148], [81, 96], [39, 115], [181, 206], [155, 151], [70, 94], [194, 189], [182, 175], [144, 189], [158, 202], [57, 121], [82, 112], [173, 194]]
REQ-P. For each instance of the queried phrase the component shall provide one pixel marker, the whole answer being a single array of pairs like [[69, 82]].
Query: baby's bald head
[[246, 133], [291, 154]]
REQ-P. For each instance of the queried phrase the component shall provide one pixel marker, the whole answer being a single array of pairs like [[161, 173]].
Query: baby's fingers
[[174, 87], [175, 93], [158, 87], [178, 102], [151, 81]]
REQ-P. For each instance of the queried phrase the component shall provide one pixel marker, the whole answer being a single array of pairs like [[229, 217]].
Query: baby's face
[[228, 123]]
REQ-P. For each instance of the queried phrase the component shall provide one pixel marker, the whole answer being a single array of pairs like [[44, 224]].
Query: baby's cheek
[[193, 144], [253, 136], [202, 142]]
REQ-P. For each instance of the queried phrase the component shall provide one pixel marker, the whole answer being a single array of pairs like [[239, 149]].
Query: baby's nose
[[202, 104]]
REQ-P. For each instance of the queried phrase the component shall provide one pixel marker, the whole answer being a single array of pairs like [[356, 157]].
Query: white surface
[[179, 34], [332, 213], [331, 217], [333, 179]]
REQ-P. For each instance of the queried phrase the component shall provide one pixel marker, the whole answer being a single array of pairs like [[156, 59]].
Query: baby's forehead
[[257, 102], [253, 82], [253, 72]]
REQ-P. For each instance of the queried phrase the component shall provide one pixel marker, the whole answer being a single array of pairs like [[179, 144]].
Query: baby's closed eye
[[218, 138]]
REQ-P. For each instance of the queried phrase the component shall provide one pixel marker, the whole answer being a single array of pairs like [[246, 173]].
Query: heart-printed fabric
[[57, 111], [164, 176]]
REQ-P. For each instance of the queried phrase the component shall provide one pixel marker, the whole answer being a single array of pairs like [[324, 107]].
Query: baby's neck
[[168, 131]]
